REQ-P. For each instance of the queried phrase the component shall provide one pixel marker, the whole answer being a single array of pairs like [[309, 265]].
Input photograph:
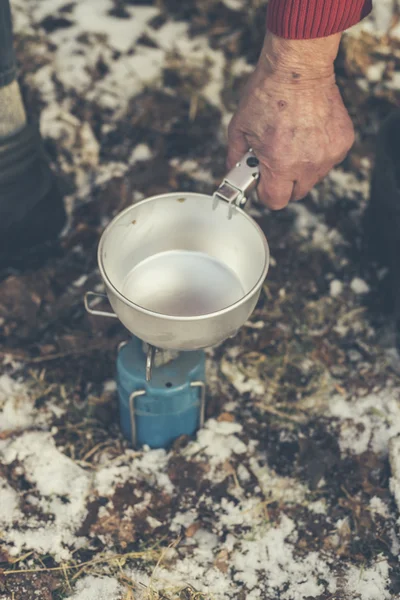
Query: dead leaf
[[192, 529], [221, 561], [227, 417]]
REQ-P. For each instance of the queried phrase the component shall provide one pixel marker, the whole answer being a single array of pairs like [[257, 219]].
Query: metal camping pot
[[184, 271]]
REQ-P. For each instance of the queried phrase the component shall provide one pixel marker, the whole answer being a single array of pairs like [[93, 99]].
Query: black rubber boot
[[382, 215], [32, 211]]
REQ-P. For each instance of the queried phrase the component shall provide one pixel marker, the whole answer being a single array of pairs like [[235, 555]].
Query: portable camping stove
[[161, 393], [157, 258]]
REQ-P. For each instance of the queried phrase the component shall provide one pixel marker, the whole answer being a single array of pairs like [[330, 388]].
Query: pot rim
[[152, 313]]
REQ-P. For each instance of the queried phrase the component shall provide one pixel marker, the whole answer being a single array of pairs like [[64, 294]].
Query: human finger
[[274, 191]]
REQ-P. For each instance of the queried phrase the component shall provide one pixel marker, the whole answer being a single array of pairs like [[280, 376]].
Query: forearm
[[309, 19]]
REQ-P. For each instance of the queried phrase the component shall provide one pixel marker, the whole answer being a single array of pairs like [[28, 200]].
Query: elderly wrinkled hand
[[292, 115]]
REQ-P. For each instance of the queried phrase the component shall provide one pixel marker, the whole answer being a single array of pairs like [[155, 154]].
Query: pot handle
[[98, 313], [238, 182]]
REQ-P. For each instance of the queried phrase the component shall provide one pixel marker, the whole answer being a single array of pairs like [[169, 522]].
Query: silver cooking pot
[[184, 271]]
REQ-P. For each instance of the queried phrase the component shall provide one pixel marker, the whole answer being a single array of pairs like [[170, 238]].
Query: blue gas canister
[[171, 404]]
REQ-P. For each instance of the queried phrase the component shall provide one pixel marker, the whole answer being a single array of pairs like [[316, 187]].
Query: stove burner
[[156, 357]]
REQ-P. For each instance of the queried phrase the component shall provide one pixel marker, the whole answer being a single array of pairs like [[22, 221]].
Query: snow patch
[[197, 569], [394, 457], [335, 288], [276, 488], [340, 184], [235, 4], [375, 71], [97, 588], [359, 286], [218, 442], [367, 423], [17, 406], [149, 465], [378, 507], [318, 507], [140, 152], [241, 381], [271, 555], [310, 226], [9, 503], [61, 487], [370, 583]]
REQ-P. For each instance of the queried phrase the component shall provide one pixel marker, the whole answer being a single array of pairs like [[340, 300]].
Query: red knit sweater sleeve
[[306, 19]]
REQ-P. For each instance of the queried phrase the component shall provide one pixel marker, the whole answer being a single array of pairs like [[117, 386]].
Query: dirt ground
[[290, 491]]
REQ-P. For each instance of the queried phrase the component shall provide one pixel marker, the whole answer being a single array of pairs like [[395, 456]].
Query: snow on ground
[[238, 546], [286, 492], [97, 588], [59, 490], [368, 422], [17, 405], [93, 36]]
